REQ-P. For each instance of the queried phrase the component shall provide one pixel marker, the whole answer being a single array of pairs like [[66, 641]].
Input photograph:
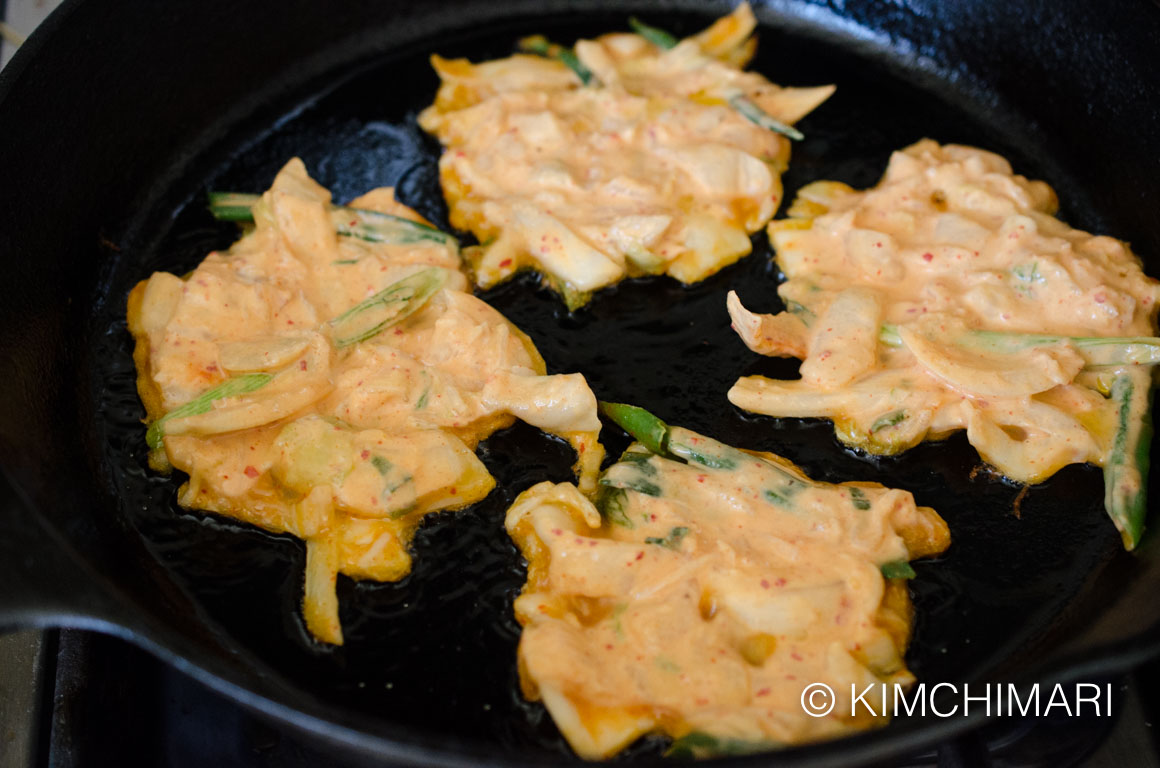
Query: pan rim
[[1141, 648]]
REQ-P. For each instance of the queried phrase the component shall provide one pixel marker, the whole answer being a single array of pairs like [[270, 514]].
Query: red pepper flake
[[762, 692], [765, 584], [365, 454], [251, 471], [211, 368], [302, 365], [557, 532], [505, 263], [928, 256], [608, 646], [1100, 297], [640, 555], [796, 656], [700, 478], [780, 582], [453, 491]]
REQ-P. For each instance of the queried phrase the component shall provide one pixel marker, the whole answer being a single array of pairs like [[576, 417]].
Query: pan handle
[[44, 582]]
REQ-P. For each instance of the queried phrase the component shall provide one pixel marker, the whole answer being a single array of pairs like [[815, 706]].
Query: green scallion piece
[[888, 335], [670, 541], [232, 387], [639, 461], [232, 206], [612, 503], [541, 46], [802, 312], [658, 37], [758, 116], [359, 223], [642, 425], [1126, 468], [897, 569], [631, 482], [747, 108], [892, 419], [696, 449], [389, 306], [379, 227], [1097, 351]]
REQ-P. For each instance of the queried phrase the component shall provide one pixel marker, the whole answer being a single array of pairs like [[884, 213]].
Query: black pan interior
[[435, 653]]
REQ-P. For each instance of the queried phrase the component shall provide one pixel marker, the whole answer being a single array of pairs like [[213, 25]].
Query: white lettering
[[968, 698], [935, 709], [1013, 693], [861, 697], [1051, 702], [1080, 698], [917, 701]]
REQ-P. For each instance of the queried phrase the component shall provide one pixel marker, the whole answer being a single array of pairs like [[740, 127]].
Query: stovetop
[[73, 699]]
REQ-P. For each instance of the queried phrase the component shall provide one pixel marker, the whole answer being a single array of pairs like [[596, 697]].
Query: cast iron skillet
[[115, 121]]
